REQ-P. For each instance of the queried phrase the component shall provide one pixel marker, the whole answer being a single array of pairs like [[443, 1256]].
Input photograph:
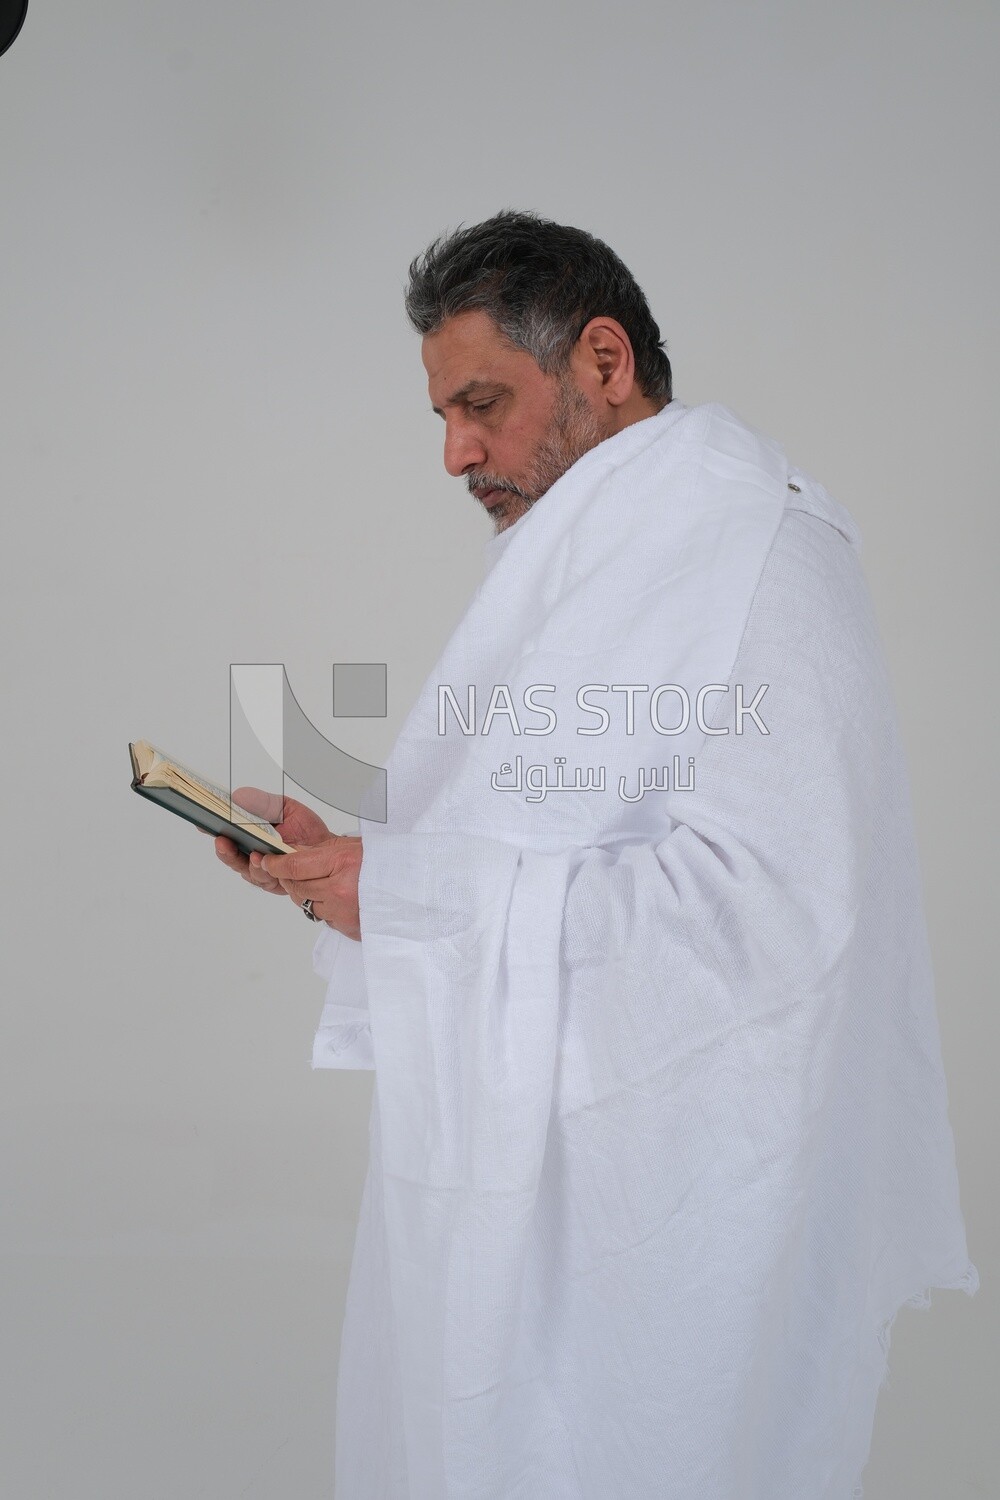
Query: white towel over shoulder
[[660, 1140]]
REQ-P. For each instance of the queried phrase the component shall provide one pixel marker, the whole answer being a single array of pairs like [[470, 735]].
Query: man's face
[[511, 431]]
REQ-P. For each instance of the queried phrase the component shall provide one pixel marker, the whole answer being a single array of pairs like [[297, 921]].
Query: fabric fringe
[[968, 1282]]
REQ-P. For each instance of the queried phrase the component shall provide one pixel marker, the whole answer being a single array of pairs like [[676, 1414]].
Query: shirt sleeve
[[343, 1038]]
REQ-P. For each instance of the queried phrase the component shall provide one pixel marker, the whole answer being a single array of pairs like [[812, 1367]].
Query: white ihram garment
[[660, 1139]]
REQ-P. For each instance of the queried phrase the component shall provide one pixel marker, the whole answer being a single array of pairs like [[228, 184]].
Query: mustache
[[478, 484]]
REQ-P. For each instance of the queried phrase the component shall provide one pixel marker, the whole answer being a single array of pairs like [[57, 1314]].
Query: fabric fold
[[343, 1036]]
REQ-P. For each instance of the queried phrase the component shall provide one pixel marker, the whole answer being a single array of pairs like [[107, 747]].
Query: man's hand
[[330, 862], [327, 874]]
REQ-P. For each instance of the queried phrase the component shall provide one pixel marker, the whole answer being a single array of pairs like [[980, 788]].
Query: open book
[[173, 786]]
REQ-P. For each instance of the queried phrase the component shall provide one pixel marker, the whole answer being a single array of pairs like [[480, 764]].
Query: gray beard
[[573, 431]]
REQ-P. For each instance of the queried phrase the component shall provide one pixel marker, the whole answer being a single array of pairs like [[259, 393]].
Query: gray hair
[[541, 283]]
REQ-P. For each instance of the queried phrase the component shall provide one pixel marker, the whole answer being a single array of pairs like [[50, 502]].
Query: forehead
[[470, 347]]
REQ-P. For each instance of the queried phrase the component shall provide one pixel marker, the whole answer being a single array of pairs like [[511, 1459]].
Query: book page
[[157, 769]]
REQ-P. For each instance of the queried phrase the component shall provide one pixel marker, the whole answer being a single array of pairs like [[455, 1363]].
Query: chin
[[508, 512]]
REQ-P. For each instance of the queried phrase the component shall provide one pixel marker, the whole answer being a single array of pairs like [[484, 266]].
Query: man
[[660, 1139]]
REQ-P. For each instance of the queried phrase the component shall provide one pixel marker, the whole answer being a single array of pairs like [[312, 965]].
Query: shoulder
[[812, 567], [812, 619]]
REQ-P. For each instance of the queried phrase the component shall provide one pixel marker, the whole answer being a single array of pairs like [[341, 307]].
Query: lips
[[489, 498]]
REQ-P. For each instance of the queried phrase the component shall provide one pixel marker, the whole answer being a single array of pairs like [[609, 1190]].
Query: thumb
[[267, 805]]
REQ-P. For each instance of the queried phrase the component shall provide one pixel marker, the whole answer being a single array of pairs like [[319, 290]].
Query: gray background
[[216, 446]]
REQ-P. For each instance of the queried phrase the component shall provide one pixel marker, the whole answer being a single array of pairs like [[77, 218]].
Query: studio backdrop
[[218, 448]]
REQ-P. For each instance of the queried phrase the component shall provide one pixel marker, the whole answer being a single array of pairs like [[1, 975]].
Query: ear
[[604, 362]]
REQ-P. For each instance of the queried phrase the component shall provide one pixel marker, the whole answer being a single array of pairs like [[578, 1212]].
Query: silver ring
[[307, 907]]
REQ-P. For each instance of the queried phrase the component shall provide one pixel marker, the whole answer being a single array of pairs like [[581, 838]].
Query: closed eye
[[484, 405]]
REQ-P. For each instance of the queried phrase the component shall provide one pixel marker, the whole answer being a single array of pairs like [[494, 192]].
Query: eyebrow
[[472, 388]]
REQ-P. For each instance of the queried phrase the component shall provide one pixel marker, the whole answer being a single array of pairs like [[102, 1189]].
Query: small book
[[180, 791]]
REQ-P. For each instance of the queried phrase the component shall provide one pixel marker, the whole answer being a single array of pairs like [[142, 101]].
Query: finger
[[234, 859], [230, 855], [261, 878], [299, 891], [267, 805], [306, 864]]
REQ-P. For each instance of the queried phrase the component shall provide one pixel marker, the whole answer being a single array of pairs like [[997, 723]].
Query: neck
[[636, 409]]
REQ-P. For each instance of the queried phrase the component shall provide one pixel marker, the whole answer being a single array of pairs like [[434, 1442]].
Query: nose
[[463, 449]]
